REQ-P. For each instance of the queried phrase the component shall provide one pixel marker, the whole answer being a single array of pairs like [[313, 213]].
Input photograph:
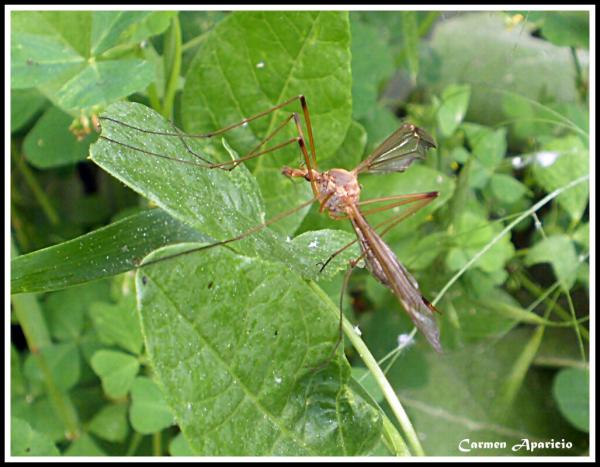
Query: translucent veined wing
[[388, 270], [405, 145]]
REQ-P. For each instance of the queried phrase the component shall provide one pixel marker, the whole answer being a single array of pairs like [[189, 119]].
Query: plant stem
[[156, 444], [579, 81], [194, 42], [382, 382], [515, 379], [577, 330], [135, 442], [29, 316], [35, 187], [507, 229], [536, 290], [172, 64]]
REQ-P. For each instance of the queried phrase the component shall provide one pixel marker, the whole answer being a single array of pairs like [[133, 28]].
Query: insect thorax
[[339, 189]]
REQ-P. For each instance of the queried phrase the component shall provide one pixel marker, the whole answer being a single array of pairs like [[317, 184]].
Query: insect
[[338, 193]]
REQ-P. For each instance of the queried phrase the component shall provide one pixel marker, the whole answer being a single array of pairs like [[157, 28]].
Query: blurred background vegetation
[[505, 95]]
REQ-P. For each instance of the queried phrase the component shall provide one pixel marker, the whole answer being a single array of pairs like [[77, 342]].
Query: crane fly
[[338, 193]]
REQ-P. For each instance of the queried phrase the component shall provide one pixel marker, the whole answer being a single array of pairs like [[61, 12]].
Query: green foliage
[[226, 350], [571, 391], [51, 144], [149, 412], [67, 55], [27, 442], [249, 387], [116, 371], [570, 28]]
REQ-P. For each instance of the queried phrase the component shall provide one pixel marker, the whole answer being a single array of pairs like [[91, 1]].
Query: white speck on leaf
[[314, 244], [357, 330], [260, 64]]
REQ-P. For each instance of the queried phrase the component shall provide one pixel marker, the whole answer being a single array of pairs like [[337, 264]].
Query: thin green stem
[[136, 439], [579, 81], [506, 230], [577, 330], [555, 123], [515, 379], [17, 227], [543, 296], [35, 187], [538, 105], [196, 41], [153, 96], [564, 314], [536, 290], [172, 63], [427, 22], [380, 379], [29, 316], [157, 444]]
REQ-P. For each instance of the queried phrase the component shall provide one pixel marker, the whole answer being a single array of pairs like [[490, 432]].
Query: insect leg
[[325, 362], [421, 198]]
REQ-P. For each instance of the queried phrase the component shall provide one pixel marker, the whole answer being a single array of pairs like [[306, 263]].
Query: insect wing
[[407, 144], [386, 268]]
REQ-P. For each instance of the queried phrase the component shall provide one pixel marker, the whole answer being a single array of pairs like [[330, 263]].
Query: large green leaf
[[221, 204], [252, 61], [234, 342], [372, 63], [64, 54], [104, 252]]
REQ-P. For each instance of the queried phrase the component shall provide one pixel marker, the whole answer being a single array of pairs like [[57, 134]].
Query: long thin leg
[[246, 233], [221, 165], [234, 163], [311, 140], [224, 165], [307, 159], [245, 121], [422, 198], [211, 133], [338, 341]]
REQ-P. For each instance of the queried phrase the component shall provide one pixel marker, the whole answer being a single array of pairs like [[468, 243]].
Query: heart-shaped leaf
[[149, 413], [117, 371], [235, 342]]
